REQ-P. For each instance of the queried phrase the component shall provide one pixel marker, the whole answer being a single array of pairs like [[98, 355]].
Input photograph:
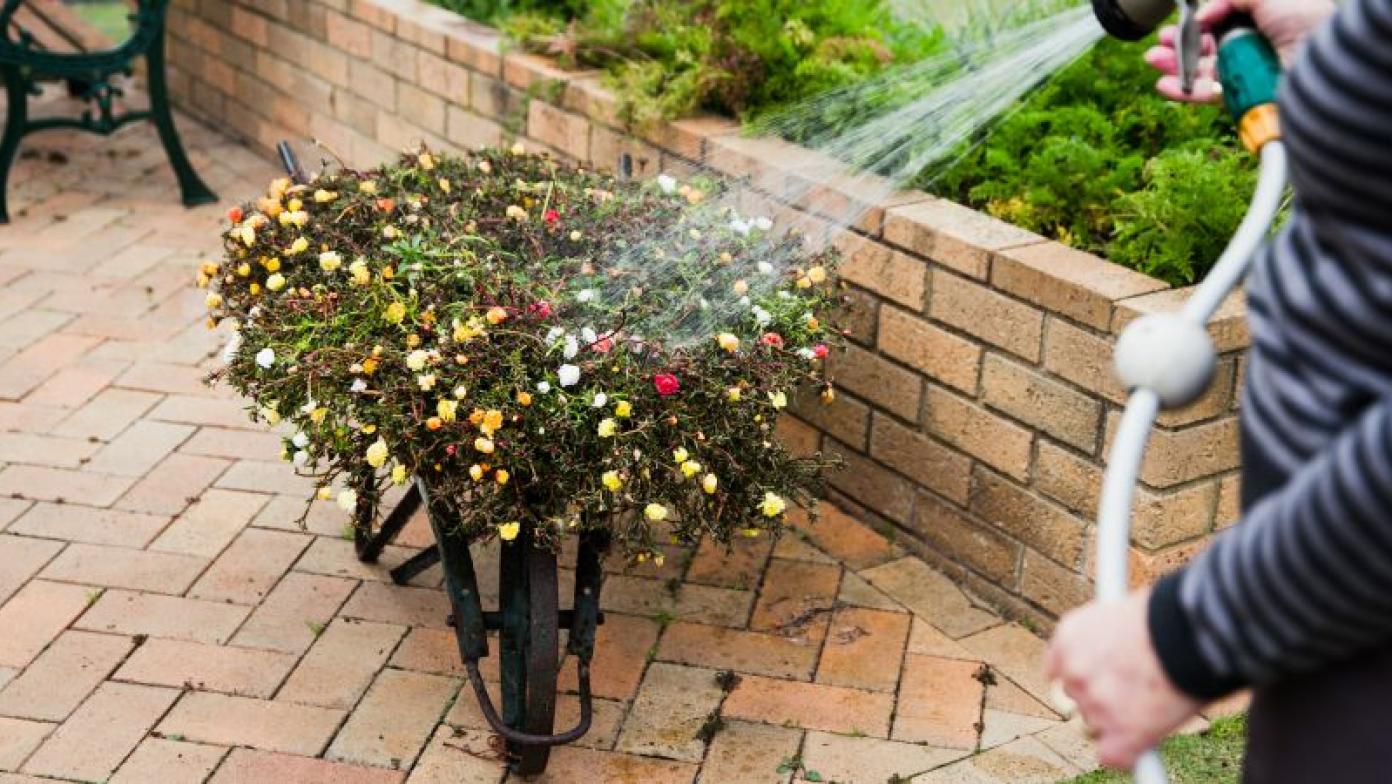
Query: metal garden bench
[[25, 61]]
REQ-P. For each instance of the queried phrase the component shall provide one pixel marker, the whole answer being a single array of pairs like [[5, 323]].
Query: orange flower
[[434, 423]]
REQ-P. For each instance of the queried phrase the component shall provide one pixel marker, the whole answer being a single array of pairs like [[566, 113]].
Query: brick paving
[[162, 618]]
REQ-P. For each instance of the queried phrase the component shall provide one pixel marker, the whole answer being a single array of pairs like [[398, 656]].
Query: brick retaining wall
[[977, 398]]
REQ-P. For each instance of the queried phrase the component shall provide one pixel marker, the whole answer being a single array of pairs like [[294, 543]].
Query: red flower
[[666, 384], [603, 345], [821, 351], [772, 339], [541, 309], [552, 216], [235, 215]]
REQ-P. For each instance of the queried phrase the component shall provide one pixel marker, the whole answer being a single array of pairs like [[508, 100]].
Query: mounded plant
[[534, 341]]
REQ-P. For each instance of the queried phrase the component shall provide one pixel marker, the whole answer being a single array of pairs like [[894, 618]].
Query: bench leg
[[193, 189], [16, 120]]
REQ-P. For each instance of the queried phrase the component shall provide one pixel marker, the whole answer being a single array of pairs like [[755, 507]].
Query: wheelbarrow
[[528, 622]]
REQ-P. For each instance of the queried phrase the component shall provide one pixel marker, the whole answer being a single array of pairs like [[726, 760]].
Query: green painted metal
[[91, 76], [1250, 70]]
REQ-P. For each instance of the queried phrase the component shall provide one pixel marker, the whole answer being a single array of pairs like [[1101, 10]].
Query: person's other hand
[[1285, 23], [1103, 656]]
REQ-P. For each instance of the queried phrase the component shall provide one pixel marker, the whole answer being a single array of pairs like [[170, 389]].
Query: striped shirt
[[1305, 581]]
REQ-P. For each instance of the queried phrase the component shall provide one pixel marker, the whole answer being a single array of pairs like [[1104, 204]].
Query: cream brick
[[977, 310]]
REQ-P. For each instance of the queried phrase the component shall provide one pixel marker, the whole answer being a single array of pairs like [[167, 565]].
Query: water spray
[[1167, 360]]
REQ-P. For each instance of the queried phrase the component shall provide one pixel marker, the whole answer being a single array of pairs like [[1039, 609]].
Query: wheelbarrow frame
[[528, 621]]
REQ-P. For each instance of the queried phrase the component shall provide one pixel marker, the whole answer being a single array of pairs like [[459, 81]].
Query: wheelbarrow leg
[[369, 545], [529, 646], [16, 122]]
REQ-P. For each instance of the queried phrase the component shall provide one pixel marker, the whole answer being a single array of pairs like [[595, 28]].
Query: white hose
[[1128, 449]]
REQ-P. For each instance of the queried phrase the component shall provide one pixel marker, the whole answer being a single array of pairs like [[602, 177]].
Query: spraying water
[[871, 138]]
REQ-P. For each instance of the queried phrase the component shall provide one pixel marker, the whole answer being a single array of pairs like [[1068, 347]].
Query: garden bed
[[976, 398]]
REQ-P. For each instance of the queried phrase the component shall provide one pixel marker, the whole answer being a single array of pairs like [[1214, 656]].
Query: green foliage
[[1213, 756], [494, 10], [1097, 160]]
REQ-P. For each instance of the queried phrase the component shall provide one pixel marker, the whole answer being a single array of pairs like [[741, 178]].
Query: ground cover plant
[[537, 342], [1093, 157], [1213, 756]]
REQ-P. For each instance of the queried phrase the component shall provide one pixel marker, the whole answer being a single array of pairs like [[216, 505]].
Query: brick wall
[[977, 399]]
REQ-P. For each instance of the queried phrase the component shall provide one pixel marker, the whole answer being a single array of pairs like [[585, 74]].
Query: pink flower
[[541, 309], [666, 384], [821, 351], [551, 216], [603, 346], [772, 339]]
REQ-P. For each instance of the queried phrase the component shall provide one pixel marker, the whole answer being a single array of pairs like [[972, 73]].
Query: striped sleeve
[[1305, 580]]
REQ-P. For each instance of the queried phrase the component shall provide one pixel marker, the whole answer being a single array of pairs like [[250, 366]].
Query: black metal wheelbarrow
[[528, 622]]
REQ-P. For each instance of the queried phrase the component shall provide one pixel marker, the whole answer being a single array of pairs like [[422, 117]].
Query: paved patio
[[163, 619]]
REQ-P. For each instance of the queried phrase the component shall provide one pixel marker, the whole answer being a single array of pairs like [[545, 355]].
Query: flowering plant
[[536, 342]]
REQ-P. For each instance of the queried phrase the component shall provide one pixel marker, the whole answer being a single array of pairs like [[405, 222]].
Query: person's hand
[[1285, 23], [1102, 655]]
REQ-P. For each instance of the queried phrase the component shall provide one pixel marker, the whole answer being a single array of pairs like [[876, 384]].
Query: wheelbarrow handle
[[525, 738]]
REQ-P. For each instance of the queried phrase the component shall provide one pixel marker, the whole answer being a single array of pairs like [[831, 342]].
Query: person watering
[[1296, 600]]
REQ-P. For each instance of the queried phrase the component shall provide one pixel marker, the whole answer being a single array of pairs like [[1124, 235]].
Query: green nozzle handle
[[1250, 72]]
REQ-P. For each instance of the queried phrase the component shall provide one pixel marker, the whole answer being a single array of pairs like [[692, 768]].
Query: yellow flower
[[509, 531], [516, 213], [518, 149], [752, 533], [623, 409], [828, 395], [484, 445], [655, 512], [395, 313], [317, 415], [367, 186], [398, 475], [243, 270], [612, 481], [246, 234], [778, 399], [709, 483], [608, 428], [361, 274], [804, 282], [213, 301], [330, 261], [680, 455], [690, 468], [502, 476], [271, 263], [300, 245], [772, 505], [817, 274], [447, 409], [427, 162], [275, 282], [378, 453], [294, 205], [324, 494], [444, 185], [497, 316], [813, 323], [467, 331], [476, 472], [734, 394], [369, 366], [728, 342], [322, 196], [270, 415], [492, 421], [524, 398]]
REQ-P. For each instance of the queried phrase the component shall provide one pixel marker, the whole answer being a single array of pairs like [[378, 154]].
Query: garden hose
[[1168, 360]]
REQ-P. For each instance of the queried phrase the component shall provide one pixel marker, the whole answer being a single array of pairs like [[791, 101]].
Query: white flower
[[348, 500], [745, 302], [585, 295], [765, 267], [572, 347], [807, 353], [308, 408], [739, 227], [785, 295], [554, 334], [359, 386], [265, 357], [300, 458], [229, 351], [300, 440], [667, 183], [762, 316], [600, 400], [569, 375], [588, 335], [460, 392], [426, 381], [416, 359], [763, 224], [544, 387]]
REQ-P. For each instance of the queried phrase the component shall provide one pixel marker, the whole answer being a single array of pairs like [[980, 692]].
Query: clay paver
[[166, 617]]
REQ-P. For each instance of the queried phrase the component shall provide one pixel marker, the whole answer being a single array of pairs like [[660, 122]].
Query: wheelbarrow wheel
[[529, 644]]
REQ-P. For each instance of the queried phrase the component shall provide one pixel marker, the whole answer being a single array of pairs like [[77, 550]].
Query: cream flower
[[727, 341], [690, 468], [416, 360], [398, 475], [361, 274], [395, 313], [778, 399], [300, 245], [348, 500], [655, 512], [447, 410], [680, 455], [330, 261], [608, 428], [612, 481], [772, 505], [710, 483], [275, 282], [484, 445], [378, 453], [426, 381]]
